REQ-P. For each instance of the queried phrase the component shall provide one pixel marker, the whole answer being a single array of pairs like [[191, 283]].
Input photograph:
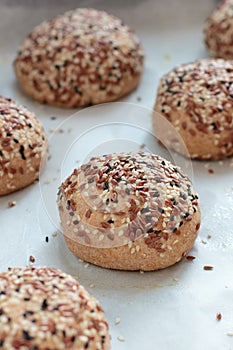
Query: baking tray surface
[[171, 309]]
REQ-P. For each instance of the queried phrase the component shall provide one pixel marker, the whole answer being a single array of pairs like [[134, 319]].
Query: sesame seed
[[121, 338], [132, 251], [175, 279], [117, 320]]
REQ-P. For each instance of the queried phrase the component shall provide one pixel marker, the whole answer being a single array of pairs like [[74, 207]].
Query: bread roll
[[218, 31], [83, 57], [43, 308], [23, 146], [197, 99], [129, 211]]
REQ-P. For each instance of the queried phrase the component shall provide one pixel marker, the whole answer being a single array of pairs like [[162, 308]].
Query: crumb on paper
[[92, 285], [208, 267], [32, 259], [141, 272], [139, 98], [121, 338], [11, 204], [203, 241], [81, 260], [142, 146], [86, 265], [230, 334], [210, 171], [46, 239], [175, 279], [117, 320], [46, 182], [54, 234], [190, 257], [209, 236], [56, 131], [219, 316], [167, 57]]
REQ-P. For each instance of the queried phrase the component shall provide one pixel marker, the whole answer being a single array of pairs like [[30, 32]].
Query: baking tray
[[171, 309]]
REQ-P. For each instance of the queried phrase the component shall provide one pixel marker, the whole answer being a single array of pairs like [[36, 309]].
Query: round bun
[[83, 57], [197, 99], [43, 308], [129, 211], [218, 31], [23, 146]]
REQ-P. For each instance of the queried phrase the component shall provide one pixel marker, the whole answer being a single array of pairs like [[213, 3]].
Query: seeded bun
[[218, 31], [197, 98], [83, 57], [23, 146], [43, 308], [129, 211]]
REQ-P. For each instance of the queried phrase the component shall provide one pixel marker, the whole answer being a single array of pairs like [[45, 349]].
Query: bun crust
[[129, 211], [197, 99], [43, 308], [23, 146], [83, 57]]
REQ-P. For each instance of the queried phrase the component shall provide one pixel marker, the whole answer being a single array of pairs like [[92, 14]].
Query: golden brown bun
[[218, 31], [23, 146], [197, 99], [43, 308], [83, 57], [129, 211]]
